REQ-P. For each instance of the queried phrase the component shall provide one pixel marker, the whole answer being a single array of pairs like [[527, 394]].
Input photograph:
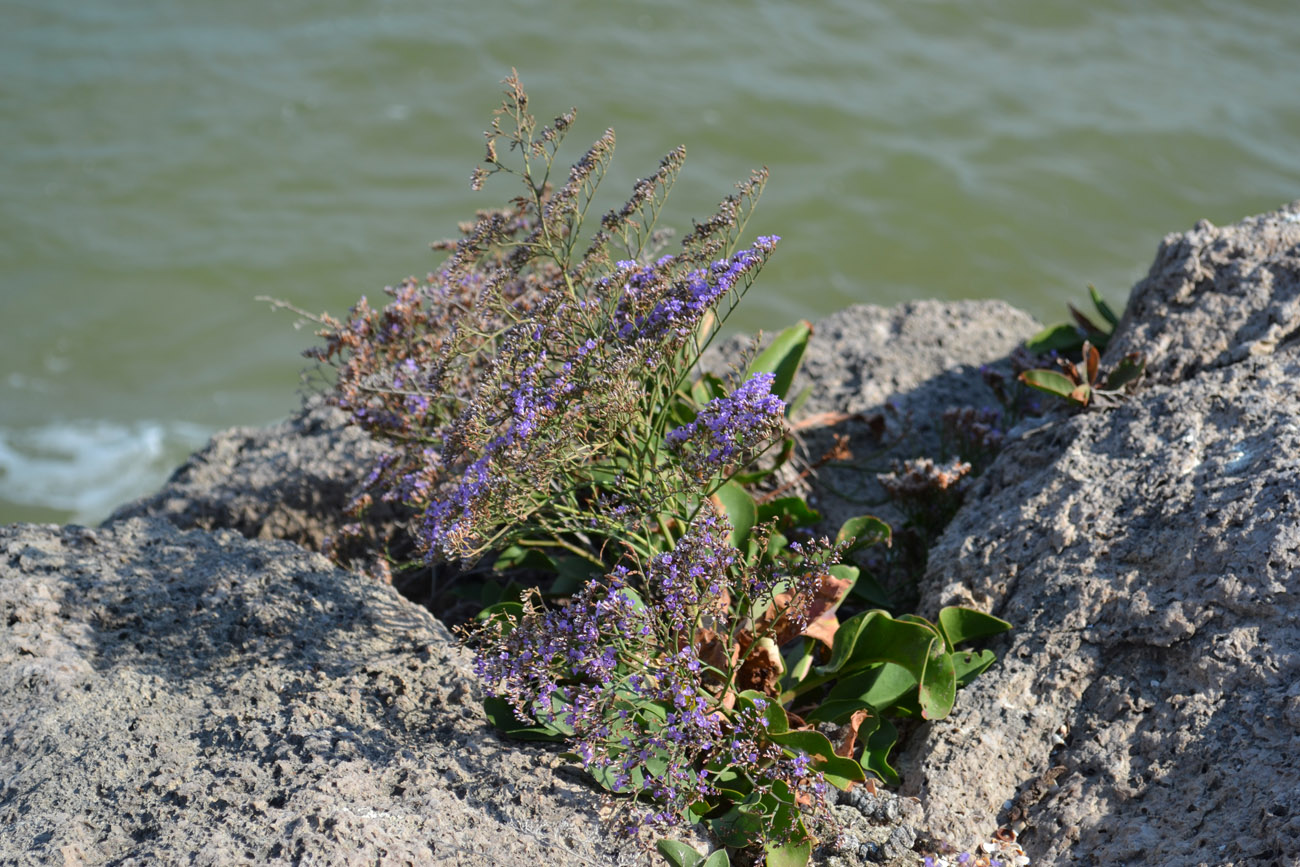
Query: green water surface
[[163, 162]]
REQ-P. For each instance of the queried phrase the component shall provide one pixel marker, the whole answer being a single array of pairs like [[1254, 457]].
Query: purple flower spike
[[728, 429]]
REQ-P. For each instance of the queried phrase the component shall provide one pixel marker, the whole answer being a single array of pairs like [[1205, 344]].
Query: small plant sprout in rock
[[542, 398], [1069, 337], [1084, 385]]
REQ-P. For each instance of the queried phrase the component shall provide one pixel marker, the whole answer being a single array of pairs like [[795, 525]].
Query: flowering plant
[[542, 396]]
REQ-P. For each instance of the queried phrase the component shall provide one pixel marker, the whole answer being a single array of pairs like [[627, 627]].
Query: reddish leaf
[[1091, 357], [762, 669], [849, 733], [821, 620]]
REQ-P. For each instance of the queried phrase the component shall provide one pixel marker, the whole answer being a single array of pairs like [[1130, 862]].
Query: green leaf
[[938, 682], [864, 530], [789, 854], [868, 589], [679, 854], [837, 770], [740, 509], [844, 572], [1130, 367], [875, 754], [750, 477], [1060, 337], [707, 388], [740, 826], [782, 358], [879, 687], [502, 715], [788, 512], [798, 661], [511, 608], [571, 575], [874, 636], [718, 859], [777, 721], [970, 664], [836, 710], [793, 406], [1049, 381], [517, 557], [1090, 328], [959, 625], [1102, 307]]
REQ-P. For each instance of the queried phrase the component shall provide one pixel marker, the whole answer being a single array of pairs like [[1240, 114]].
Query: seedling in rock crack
[[1084, 386], [1069, 337]]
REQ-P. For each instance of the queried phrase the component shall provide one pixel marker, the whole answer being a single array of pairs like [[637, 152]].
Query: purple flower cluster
[[455, 520], [653, 303], [729, 429], [625, 675]]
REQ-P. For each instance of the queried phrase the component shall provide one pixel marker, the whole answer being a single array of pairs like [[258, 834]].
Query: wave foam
[[87, 468]]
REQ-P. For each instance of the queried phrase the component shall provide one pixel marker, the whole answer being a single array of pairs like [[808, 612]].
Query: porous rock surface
[[1147, 706], [290, 480], [196, 697], [883, 377], [200, 696], [153, 682]]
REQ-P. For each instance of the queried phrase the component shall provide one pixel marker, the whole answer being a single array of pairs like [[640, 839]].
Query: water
[[162, 163]]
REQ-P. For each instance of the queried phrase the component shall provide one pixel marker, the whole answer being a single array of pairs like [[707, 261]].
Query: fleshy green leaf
[[1090, 328], [571, 574], [836, 710], [864, 530], [517, 557], [788, 512], [782, 358], [959, 625], [874, 636], [777, 721], [938, 682], [511, 608], [837, 770], [740, 509], [788, 854], [679, 854], [502, 715], [969, 664], [868, 589], [1060, 337], [718, 859], [1130, 367], [707, 388], [1102, 307], [875, 755], [879, 687], [794, 406], [1049, 381], [740, 826]]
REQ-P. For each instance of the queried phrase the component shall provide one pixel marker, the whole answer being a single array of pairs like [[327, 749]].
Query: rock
[[883, 377], [200, 696], [1149, 556], [288, 481], [170, 697]]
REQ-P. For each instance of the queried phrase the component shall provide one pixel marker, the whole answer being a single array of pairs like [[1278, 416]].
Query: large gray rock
[[290, 481], [200, 698], [1147, 709]]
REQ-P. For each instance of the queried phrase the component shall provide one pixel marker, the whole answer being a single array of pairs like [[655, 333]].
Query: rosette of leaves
[[1069, 337], [1083, 383]]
